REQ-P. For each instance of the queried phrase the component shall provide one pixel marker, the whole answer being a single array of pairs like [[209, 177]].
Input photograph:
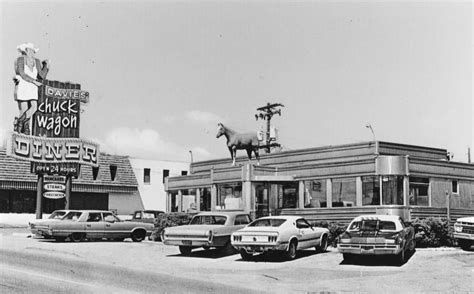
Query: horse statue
[[236, 141]]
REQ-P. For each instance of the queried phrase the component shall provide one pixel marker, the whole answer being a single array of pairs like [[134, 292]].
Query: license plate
[[187, 242]]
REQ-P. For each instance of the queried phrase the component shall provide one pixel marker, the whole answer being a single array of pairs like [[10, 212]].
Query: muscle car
[[377, 235], [285, 234], [464, 232], [206, 229], [78, 225]]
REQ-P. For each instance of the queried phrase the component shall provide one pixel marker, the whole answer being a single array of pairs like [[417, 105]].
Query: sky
[[162, 74]]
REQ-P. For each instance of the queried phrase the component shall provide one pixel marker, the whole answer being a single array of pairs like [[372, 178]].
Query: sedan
[[377, 235], [206, 229], [78, 225], [284, 234]]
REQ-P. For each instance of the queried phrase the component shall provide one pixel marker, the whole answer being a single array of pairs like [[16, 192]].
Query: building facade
[[332, 183], [110, 186], [151, 176]]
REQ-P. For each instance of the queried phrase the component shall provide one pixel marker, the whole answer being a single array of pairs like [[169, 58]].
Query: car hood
[[193, 229], [469, 219]]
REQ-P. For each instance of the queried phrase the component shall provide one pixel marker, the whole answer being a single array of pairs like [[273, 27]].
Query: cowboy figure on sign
[[30, 71]]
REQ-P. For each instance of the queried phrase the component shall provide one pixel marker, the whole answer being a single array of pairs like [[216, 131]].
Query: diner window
[[370, 190], [392, 190], [189, 200], [287, 195], [184, 172], [113, 172], [174, 201], [229, 196], [205, 201], [418, 191], [455, 185], [146, 176], [343, 192], [315, 194]]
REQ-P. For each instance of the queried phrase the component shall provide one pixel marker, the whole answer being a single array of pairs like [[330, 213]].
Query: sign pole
[[39, 197], [68, 191]]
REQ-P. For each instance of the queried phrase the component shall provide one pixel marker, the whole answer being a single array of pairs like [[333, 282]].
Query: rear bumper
[[189, 242], [259, 247], [464, 236], [369, 249]]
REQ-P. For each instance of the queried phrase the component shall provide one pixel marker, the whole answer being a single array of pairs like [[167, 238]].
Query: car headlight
[[457, 228], [345, 240], [390, 241]]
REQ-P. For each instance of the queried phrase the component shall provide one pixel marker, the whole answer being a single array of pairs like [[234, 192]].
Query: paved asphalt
[[29, 265]]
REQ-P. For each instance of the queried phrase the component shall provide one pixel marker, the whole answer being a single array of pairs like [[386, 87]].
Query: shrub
[[335, 229], [170, 219], [433, 232]]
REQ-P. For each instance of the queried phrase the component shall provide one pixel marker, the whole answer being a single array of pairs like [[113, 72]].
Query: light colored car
[[78, 225], [206, 229], [377, 235], [286, 234], [55, 215], [464, 232]]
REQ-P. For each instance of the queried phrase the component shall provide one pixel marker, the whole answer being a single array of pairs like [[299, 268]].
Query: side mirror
[[110, 219]]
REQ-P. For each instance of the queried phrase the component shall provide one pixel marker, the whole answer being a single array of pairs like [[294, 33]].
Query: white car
[[285, 234], [464, 232]]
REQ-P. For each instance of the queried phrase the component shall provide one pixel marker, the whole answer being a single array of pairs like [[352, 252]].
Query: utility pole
[[266, 113]]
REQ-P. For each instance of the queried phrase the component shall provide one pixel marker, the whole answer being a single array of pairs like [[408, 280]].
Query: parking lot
[[428, 270]]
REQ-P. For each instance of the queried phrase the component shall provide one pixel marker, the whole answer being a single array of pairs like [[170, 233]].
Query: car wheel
[[412, 245], [138, 236], [77, 237], [245, 255], [323, 246], [348, 257], [464, 244], [290, 254], [60, 239], [400, 258], [185, 250]]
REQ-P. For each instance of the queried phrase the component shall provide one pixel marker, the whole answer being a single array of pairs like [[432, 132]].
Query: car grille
[[467, 230], [369, 247]]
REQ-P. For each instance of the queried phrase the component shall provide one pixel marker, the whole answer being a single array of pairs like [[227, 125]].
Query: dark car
[[377, 235], [146, 216]]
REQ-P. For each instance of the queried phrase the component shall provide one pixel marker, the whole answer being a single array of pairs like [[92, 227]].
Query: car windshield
[[57, 214], [148, 215], [208, 220], [268, 222], [372, 225], [72, 215]]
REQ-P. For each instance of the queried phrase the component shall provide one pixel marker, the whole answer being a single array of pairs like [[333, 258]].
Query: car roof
[[86, 210], [382, 217], [223, 212]]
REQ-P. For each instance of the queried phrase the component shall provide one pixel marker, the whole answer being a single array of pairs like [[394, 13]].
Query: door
[[262, 197], [308, 237], [95, 226], [115, 228]]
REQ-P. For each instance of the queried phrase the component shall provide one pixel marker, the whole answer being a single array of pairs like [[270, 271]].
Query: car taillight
[[395, 238], [272, 239], [237, 238]]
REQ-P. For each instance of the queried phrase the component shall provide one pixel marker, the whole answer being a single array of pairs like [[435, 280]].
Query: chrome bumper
[[366, 249], [259, 247], [464, 236]]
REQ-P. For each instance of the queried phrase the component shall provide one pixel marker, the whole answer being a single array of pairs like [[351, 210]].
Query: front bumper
[[369, 249], [253, 247], [464, 236]]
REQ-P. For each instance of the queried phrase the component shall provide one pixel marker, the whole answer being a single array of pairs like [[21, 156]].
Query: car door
[[95, 226], [116, 228], [308, 237]]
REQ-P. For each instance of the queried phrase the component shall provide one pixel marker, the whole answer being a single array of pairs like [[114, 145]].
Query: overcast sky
[[162, 74]]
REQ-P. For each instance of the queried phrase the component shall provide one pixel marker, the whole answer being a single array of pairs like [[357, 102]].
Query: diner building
[[110, 186], [333, 183]]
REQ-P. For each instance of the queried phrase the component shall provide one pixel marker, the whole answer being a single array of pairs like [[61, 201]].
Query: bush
[[170, 219], [433, 232], [335, 229]]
